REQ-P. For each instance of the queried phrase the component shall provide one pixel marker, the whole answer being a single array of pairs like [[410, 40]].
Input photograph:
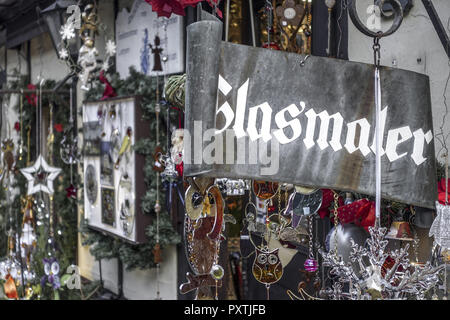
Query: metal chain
[[376, 52], [216, 262], [269, 10], [336, 222], [250, 192], [310, 233], [286, 197], [279, 200]]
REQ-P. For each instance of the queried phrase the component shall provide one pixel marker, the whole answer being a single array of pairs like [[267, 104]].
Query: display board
[[135, 38], [113, 179]]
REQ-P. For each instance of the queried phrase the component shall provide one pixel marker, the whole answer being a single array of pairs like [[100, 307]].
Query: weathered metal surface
[[323, 84]]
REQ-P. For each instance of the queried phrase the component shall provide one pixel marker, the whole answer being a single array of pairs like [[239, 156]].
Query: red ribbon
[[179, 169], [441, 191], [360, 212], [327, 199]]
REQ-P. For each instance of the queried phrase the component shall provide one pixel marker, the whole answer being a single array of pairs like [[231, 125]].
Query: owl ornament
[[267, 267], [203, 233], [51, 277]]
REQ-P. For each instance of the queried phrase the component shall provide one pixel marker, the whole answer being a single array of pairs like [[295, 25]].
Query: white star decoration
[[110, 48], [39, 167]]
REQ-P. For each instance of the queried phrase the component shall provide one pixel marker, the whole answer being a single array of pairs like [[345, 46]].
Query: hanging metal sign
[[276, 116]]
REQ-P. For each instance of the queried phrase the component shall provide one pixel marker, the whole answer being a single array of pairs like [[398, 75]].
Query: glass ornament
[[217, 272], [311, 265]]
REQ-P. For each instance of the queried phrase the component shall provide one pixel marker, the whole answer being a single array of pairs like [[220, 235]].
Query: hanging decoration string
[[50, 155], [37, 123], [71, 126], [378, 138], [157, 205], [21, 126]]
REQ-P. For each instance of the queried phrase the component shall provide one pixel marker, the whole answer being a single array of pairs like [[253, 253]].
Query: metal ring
[[398, 18]]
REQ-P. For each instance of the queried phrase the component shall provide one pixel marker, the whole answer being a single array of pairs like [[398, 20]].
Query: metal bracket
[[397, 15], [440, 30]]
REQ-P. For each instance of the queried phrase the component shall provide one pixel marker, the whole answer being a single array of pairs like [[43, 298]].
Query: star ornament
[[40, 176]]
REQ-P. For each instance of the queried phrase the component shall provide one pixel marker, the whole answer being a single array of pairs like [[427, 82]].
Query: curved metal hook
[[398, 18]]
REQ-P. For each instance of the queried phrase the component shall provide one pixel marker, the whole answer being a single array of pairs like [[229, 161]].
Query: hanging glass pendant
[[170, 172], [311, 265], [217, 272], [440, 229]]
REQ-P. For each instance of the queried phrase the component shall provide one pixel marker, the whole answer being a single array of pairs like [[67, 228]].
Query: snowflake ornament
[[105, 65], [110, 48], [63, 54], [67, 31]]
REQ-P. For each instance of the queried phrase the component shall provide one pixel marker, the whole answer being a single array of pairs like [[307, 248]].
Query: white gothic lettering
[[356, 138]]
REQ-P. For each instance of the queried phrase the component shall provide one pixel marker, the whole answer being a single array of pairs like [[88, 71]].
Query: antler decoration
[[365, 276], [398, 18]]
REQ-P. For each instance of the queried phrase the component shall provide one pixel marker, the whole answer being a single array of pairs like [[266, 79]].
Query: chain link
[[336, 222], [310, 233], [376, 52]]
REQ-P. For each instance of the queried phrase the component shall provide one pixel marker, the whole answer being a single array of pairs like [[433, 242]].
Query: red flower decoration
[[109, 90], [71, 192], [58, 127], [33, 98], [17, 126], [165, 8], [441, 191]]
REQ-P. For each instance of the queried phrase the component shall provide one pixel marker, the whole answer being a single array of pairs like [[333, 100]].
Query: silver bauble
[[344, 233], [330, 3]]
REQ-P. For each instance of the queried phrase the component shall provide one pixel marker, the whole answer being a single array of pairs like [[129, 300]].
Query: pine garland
[[105, 246]]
